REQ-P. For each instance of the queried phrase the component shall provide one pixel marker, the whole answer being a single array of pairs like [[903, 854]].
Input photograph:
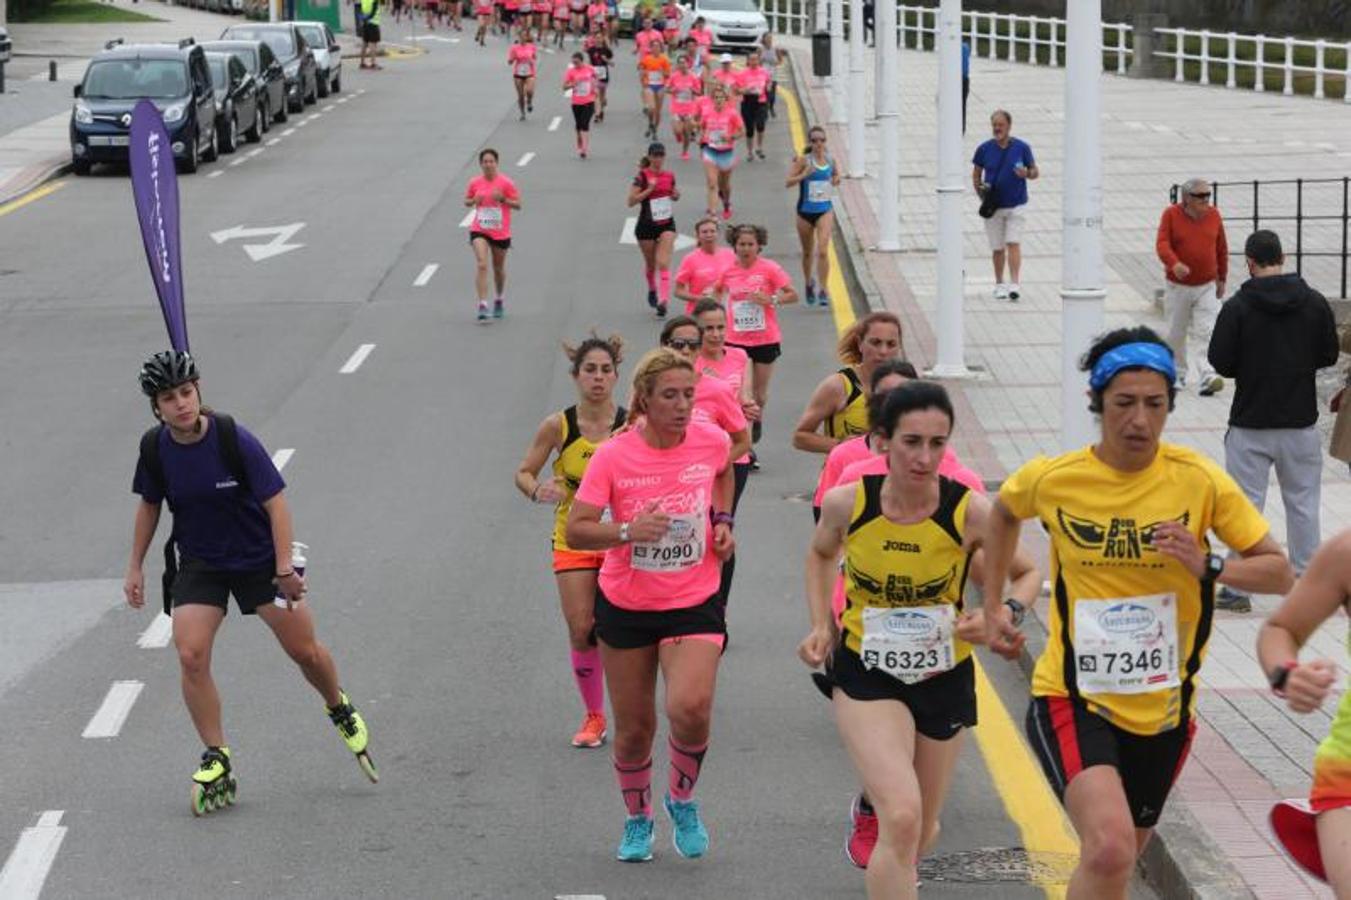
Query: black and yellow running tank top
[[853, 418], [574, 452], [893, 566]]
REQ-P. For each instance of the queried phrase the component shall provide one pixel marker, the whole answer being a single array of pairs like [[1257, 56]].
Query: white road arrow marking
[[280, 234], [626, 235]]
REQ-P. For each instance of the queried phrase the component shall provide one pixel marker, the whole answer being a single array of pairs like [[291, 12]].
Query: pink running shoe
[[858, 848]]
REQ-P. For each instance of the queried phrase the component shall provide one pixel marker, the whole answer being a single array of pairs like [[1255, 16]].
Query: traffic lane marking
[[555, 122], [427, 272], [160, 632], [1017, 778], [32, 196], [216, 174], [525, 159], [468, 218], [26, 869], [282, 457], [356, 359], [113, 711]]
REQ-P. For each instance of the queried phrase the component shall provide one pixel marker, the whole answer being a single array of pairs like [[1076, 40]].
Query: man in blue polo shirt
[[1004, 164]]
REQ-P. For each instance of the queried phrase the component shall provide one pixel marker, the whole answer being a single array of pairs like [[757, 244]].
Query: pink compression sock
[[685, 765], [635, 783], [586, 670], [651, 277], [664, 292]]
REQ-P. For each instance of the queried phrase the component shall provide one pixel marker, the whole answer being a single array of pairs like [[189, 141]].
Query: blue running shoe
[[636, 845], [499, 309], [811, 293], [690, 836], [483, 312], [824, 299]]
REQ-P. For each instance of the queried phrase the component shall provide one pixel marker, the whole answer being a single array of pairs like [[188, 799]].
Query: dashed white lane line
[[158, 635], [579, 897], [525, 160], [468, 218], [255, 152], [555, 122], [288, 132], [216, 174], [360, 92], [238, 162], [426, 274], [302, 124], [356, 359], [311, 117], [282, 457], [274, 142], [330, 107], [113, 711], [32, 857], [343, 100]]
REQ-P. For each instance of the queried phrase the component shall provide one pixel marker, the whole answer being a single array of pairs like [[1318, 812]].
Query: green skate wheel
[[368, 766], [231, 790], [200, 803]]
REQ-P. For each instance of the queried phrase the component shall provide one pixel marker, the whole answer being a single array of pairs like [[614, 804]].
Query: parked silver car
[[327, 55]]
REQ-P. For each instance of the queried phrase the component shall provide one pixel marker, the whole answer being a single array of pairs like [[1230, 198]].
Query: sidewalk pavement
[[1250, 750]]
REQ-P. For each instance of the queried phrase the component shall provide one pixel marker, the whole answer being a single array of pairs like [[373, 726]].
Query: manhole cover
[[995, 865]]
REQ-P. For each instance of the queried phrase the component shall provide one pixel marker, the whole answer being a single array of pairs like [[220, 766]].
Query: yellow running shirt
[[1129, 625], [918, 569], [574, 452], [853, 419]]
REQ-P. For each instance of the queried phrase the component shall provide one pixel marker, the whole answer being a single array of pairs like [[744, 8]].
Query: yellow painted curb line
[[30, 197], [1017, 776]]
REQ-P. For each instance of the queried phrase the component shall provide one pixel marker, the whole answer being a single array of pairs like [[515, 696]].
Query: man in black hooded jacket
[[1271, 338]]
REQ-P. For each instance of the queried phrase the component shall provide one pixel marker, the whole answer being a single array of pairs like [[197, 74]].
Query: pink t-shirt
[[699, 271], [730, 79], [483, 7], [643, 38], [626, 474], [684, 90], [596, 11], [748, 323], [720, 128], [582, 80], [755, 81], [704, 38], [716, 403], [490, 217], [731, 368], [522, 58], [840, 457]]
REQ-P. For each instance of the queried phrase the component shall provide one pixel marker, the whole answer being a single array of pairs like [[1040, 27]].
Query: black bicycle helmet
[[166, 370]]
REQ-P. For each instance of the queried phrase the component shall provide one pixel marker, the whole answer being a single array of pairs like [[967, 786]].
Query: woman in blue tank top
[[815, 176]]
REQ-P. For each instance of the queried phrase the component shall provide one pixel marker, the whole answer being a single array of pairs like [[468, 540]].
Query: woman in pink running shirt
[[667, 483], [581, 79], [753, 289], [492, 196], [522, 58], [685, 88], [715, 401], [562, 19], [700, 269], [483, 12], [654, 192], [719, 127], [753, 82]]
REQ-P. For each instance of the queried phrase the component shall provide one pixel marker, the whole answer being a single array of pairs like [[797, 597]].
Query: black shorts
[[581, 115], [1067, 738], [625, 629], [650, 231], [764, 354], [941, 706], [370, 33], [754, 113], [499, 243], [199, 583], [811, 218]]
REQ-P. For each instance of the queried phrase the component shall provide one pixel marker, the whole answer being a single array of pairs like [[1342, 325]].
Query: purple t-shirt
[[215, 519]]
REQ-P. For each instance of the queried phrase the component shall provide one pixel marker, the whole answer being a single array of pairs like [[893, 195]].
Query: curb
[[1181, 861], [51, 173]]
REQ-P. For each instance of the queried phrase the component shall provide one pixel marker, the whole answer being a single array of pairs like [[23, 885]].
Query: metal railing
[[1258, 61], [1314, 214], [1036, 40], [788, 16]]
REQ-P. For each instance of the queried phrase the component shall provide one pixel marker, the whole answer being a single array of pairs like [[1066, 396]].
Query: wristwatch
[[1280, 675], [1018, 609], [1214, 566], [623, 532]]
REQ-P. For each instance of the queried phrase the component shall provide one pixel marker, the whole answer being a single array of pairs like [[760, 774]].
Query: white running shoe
[[1001, 291], [1015, 292]]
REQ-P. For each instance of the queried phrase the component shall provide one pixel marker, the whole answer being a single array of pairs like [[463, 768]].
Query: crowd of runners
[[911, 565]]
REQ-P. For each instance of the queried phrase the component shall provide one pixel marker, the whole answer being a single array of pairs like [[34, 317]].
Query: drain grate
[[998, 865]]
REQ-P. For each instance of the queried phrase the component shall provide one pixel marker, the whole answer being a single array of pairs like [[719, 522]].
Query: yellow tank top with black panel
[[893, 566], [852, 420], [574, 453]]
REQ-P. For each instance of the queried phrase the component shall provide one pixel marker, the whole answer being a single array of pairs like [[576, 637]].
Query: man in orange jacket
[[1195, 256]]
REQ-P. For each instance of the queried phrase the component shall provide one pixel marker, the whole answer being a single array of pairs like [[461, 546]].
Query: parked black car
[[237, 109], [297, 60], [174, 77], [268, 80]]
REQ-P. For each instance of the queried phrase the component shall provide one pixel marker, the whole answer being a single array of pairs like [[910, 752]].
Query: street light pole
[[951, 362], [838, 65], [887, 94], [1082, 292], [822, 23], [858, 88]]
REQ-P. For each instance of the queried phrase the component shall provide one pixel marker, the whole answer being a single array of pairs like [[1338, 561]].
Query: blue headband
[[1140, 355]]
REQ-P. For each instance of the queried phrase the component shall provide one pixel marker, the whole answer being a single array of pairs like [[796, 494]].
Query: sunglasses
[[684, 343], [1205, 196]]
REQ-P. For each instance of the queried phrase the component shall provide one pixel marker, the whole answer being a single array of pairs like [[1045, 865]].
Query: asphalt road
[[428, 573]]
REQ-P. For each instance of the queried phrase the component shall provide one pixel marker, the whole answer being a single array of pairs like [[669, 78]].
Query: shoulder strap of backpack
[[150, 460], [230, 453]]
